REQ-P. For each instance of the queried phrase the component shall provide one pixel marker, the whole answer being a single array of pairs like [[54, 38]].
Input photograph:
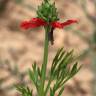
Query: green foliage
[[25, 91], [35, 75], [61, 72]]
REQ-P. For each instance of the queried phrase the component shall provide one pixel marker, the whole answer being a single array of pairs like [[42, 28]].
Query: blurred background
[[20, 48]]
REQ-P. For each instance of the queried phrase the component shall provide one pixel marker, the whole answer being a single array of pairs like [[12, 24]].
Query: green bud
[[47, 11]]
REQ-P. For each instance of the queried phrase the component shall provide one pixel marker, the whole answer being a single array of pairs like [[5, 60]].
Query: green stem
[[45, 59]]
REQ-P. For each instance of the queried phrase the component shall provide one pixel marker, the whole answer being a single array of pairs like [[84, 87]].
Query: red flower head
[[47, 16], [37, 22]]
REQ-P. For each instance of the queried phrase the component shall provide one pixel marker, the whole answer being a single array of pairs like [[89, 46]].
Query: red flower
[[37, 22], [33, 23]]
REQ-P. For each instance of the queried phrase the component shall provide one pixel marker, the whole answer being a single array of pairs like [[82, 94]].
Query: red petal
[[56, 25], [33, 23], [68, 22], [38, 21], [25, 25], [61, 25]]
